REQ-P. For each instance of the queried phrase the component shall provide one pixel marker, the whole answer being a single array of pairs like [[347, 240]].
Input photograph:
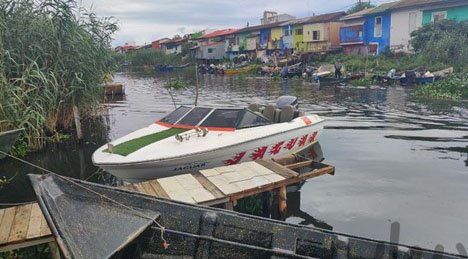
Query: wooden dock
[[25, 225]]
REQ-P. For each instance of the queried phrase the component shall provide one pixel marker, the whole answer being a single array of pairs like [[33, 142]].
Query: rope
[[141, 214]]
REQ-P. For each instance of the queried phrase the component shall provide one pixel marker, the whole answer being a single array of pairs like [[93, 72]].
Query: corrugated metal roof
[[328, 17], [219, 33], [356, 15], [259, 27], [416, 3], [383, 7]]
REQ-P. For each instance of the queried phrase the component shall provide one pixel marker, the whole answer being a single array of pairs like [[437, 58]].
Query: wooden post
[[196, 83], [76, 116], [54, 250], [229, 205], [282, 204]]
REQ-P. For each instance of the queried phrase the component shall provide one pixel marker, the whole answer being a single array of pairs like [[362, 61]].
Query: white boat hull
[[290, 140]]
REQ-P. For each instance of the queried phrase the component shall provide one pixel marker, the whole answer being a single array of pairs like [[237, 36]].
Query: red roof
[[219, 33]]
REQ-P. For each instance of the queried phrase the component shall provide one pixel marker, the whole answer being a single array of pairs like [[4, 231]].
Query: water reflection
[[398, 159]]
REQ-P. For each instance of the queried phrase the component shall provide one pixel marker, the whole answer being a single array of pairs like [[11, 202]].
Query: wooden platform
[[25, 225]]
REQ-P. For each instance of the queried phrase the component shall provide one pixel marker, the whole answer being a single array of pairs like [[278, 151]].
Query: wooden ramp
[[25, 225]]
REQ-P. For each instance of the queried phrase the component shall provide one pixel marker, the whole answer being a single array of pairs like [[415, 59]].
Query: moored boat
[[194, 138], [241, 70], [122, 224], [7, 139]]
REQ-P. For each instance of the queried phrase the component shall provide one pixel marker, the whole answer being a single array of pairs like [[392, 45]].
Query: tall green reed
[[53, 55]]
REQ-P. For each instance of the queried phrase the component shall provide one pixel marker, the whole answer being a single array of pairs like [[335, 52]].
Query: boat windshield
[[234, 118], [187, 117], [195, 116], [223, 118], [174, 116], [251, 119]]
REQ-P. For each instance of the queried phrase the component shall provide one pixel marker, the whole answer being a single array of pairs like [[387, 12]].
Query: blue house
[[265, 35], [288, 41], [376, 29]]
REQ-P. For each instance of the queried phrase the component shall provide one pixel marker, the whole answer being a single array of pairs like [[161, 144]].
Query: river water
[[401, 164]]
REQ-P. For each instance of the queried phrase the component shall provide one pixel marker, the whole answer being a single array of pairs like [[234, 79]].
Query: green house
[[458, 13]]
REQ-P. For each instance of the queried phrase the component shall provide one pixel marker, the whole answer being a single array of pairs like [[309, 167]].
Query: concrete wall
[[402, 24], [455, 13], [212, 51]]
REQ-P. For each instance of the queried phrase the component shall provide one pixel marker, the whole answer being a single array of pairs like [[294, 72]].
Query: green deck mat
[[133, 145]]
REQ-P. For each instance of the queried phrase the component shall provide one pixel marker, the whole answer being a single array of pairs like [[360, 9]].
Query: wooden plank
[[34, 229], [287, 181], [277, 168], [6, 224], [148, 189], [27, 243], [298, 164], [2, 211], [209, 186], [20, 226], [158, 189], [138, 188], [45, 230]]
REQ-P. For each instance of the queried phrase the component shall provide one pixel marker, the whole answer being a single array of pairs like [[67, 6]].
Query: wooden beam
[[28, 243], [277, 168], [299, 164], [208, 185]]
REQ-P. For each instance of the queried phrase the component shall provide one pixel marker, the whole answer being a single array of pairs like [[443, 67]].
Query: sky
[[143, 21]]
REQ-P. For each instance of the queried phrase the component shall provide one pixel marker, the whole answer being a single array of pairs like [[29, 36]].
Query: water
[[399, 163]]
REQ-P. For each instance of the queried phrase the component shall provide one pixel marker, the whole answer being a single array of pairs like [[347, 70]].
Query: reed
[[53, 55]]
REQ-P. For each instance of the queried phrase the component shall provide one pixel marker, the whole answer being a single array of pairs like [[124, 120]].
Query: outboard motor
[[288, 100]]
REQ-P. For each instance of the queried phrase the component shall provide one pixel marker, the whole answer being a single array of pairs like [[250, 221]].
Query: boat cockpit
[[230, 119]]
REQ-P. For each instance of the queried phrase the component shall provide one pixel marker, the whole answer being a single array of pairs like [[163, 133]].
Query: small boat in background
[[239, 70], [170, 68], [122, 224], [7, 139]]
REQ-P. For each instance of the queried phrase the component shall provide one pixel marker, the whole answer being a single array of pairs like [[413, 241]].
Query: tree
[[360, 6]]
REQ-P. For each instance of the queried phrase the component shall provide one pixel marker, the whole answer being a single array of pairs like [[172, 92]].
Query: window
[[439, 16], [316, 35], [222, 118], [378, 27], [175, 115], [195, 116], [298, 31], [210, 50], [251, 119]]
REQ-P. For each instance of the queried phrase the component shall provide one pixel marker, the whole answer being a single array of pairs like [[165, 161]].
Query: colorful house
[[409, 15], [321, 33], [452, 11], [214, 45], [352, 38], [287, 41], [377, 28], [157, 43]]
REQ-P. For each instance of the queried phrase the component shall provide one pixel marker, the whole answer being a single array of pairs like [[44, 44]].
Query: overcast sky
[[143, 21]]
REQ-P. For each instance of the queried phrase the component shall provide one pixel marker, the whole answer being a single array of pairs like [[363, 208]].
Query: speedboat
[[194, 138]]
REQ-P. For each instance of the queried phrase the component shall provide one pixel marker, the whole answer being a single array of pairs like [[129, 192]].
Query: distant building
[[409, 15], [352, 38], [157, 43], [270, 17]]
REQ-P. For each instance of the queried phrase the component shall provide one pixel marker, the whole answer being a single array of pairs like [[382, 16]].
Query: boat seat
[[277, 115], [269, 112], [287, 114], [254, 107]]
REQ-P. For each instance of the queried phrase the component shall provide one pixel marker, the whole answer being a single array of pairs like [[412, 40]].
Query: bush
[[451, 87], [443, 42]]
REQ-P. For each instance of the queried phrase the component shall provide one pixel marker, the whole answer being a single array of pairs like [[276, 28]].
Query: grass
[[128, 147]]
